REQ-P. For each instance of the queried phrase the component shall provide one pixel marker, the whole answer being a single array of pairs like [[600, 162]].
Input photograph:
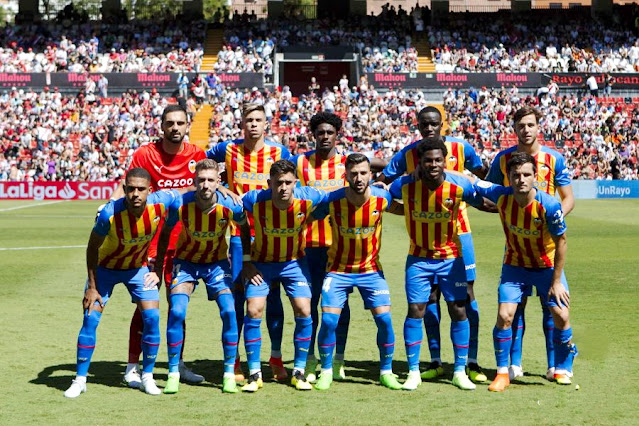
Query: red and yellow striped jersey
[[128, 237], [551, 169], [280, 235], [203, 235], [461, 156], [432, 215], [247, 170], [528, 229], [325, 175], [357, 232]]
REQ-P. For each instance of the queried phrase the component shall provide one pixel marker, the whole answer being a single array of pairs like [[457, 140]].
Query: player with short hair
[[170, 162], [201, 254], [461, 156], [535, 256], [279, 215], [117, 252], [353, 261], [247, 165], [432, 201], [552, 177]]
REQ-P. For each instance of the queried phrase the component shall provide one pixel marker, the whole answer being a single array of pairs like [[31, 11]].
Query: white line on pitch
[[32, 205], [38, 248]]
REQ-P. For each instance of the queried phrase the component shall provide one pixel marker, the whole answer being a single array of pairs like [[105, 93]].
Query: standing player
[[431, 205], [535, 256], [552, 177], [461, 156], [248, 162], [201, 254], [171, 163], [353, 261], [117, 252], [280, 215]]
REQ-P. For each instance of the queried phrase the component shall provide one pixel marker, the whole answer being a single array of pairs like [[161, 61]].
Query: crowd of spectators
[[131, 46], [545, 41], [598, 136]]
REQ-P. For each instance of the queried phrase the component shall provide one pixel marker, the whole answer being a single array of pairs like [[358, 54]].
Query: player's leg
[[418, 280], [432, 318], [317, 271], [275, 326], [132, 372], [519, 328], [235, 256], [341, 336], [88, 336], [548, 324]]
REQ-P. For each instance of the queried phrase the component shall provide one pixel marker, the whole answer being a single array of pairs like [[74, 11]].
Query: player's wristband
[[246, 258]]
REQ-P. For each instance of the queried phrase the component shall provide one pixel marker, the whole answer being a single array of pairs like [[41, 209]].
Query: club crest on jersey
[[448, 202], [375, 213], [192, 164], [156, 219], [452, 161], [340, 166], [269, 160], [223, 222], [543, 170], [537, 221], [301, 216]]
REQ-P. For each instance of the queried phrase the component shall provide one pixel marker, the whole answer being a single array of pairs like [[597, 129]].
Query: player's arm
[[564, 187], [91, 294], [557, 290], [397, 208], [378, 164], [567, 198], [480, 172], [396, 205], [489, 194], [393, 169]]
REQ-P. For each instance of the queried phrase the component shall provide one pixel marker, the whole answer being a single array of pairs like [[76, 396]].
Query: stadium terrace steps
[[212, 45], [200, 128], [424, 60]]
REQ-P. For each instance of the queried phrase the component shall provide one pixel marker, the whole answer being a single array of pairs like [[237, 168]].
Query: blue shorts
[[293, 275], [468, 254], [517, 281], [372, 287], [422, 273], [216, 276], [106, 279]]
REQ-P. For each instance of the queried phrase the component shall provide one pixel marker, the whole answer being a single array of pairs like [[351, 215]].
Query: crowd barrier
[[592, 189]]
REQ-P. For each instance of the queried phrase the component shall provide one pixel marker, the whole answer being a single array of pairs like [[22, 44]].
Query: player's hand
[[558, 291], [151, 280], [90, 297], [228, 193], [251, 275], [380, 184]]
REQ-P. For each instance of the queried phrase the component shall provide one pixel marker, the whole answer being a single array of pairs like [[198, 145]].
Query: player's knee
[[177, 311], [416, 310], [329, 321], [254, 311], [561, 317], [504, 320], [90, 322], [151, 319]]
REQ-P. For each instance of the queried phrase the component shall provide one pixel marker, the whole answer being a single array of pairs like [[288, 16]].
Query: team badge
[[452, 161], [192, 166], [375, 213], [537, 221], [543, 170], [156, 219], [301, 216], [340, 166], [223, 222], [448, 202], [269, 160]]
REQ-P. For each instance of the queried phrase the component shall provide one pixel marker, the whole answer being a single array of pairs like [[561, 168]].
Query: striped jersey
[[357, 231], [128, 237], [203, 236], [247, 170], [461, 156], [528, 229], [551, 169], [280, 235], [432, 215], [327, 175]]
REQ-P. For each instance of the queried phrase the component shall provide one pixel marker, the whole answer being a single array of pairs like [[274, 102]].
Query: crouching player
[[353, 261], [535, 255], [280, 215], [117, 253], [201, 253]]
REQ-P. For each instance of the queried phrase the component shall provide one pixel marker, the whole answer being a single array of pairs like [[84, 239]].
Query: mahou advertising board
[[62, 190]]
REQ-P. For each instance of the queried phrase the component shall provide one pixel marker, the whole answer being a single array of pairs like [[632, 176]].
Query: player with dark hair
[[117, 253]]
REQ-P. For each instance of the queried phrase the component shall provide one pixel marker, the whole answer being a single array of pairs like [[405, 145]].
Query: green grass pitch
[[40, 315]]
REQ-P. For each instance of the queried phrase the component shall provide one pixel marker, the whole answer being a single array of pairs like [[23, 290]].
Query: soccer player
[[535, 256], [170, 162], [201, 254], [432, 201], [247, 164], [353, 261], [279, 216], [461, 156], [552, 177], [117, 252]]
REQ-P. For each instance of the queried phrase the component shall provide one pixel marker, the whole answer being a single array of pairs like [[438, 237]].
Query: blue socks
[[472, 311], [460, 335], [86, 341], [549, 327], [229, 330], [235, 253], [413, 335], [341, 333], [275, 317], [150, 338], [502, 340], [565, 351], [326, 339], [386, 340], [431, 322], [174, 329], [253, 342], [518, 330], [302, 341]]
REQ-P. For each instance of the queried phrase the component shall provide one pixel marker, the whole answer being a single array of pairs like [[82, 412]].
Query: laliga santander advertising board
[[62, 190]]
